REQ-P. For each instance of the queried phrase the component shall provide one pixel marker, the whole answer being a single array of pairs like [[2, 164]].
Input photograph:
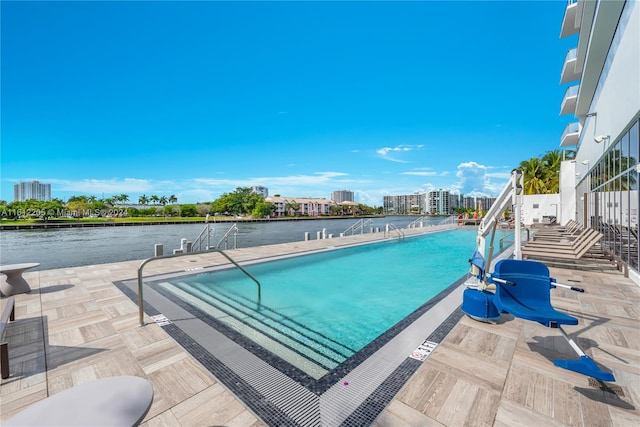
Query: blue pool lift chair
[[477, 302], [523, 289]]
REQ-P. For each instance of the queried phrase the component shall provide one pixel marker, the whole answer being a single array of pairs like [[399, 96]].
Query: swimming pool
[[316, 311], [313, 365]]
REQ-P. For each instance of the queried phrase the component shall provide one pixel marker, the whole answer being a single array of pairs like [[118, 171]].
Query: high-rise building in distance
[[31, 190], [342, 196]]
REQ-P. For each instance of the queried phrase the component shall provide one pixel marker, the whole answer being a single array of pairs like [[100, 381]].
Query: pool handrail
[[390, 227], [148, 260], [361, 223]]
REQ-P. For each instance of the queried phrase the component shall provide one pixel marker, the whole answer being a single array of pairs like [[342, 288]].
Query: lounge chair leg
[[4, 360], [585, 365]]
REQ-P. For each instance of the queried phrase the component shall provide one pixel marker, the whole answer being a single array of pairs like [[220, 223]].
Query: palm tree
[[534, 182], [163, 200], [551, 170], [143, 200], [154, 199], [173, 199]]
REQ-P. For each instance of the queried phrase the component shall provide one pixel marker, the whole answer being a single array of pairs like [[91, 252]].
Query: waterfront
[[71, 247]]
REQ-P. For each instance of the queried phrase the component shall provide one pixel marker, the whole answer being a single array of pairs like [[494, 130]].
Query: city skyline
[[198, 98]]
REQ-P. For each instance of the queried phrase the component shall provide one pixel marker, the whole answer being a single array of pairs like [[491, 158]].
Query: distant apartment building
[[306, 206], [455, 201], [31, 190], [342, 196], [477, 203], [404, 204], [439, 203], [263, 191]]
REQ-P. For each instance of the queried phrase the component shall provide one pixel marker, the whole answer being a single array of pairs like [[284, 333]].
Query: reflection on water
[[69, 247]]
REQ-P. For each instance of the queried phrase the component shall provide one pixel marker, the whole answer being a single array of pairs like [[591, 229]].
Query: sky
[[195, 99]]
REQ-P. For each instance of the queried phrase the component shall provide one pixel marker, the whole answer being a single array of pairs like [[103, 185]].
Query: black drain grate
[[604, 386]]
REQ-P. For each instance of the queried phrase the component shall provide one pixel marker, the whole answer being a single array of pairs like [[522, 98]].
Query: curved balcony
[[570, 100], [571, 134], [569, 71], [572, 18]]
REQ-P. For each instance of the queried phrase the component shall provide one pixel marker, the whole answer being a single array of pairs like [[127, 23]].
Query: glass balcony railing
[[571, 91], [569, 73], [571, 54], [570, 135], [569, 100], [570, 22]]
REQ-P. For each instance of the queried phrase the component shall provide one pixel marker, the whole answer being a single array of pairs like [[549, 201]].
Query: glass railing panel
[[571, 54], [571, 91], [570, 128]]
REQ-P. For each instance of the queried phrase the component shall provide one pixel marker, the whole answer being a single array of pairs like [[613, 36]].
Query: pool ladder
[[180, 254], [360, 224], [204, 238], [390, 227]]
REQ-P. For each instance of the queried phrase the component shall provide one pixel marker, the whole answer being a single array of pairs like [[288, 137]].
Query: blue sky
[[194, 99]]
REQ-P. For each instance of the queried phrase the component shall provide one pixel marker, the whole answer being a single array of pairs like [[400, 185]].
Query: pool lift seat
[[523, 289]]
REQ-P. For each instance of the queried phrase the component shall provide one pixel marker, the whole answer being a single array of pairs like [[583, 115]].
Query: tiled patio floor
[[76, 326]]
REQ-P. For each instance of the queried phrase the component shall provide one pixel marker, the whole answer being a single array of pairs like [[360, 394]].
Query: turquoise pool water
[[325, 307]]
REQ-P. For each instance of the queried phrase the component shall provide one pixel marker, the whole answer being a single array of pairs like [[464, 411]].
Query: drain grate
[[604, 386]]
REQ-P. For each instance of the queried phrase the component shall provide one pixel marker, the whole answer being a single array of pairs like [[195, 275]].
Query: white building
[[306, 206], [263, 191], [31, 190], [600, 187], [342, 196], [405, 204]]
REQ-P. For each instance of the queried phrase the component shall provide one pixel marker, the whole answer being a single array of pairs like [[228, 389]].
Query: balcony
[[570, 135], [569, 101], [572, 18], [569, 72]]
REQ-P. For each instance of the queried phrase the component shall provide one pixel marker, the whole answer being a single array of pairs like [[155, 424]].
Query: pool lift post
[[477, 300]]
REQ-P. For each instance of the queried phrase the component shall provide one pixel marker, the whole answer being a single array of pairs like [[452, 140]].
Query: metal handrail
[[199, 240], [225, 238], [148, 260], [416, 222], [392, 227], [359, 224]]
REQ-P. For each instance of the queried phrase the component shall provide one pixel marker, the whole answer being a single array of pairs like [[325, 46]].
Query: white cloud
[[96, 186], [424, 172], [386, 151], [475, 180]]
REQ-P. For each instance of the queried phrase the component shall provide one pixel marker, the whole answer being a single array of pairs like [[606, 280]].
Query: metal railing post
[[148, 260]]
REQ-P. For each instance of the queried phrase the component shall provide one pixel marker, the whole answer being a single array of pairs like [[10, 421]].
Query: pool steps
[[264, 325]]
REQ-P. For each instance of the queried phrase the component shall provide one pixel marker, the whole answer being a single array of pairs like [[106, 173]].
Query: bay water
[[71, 247]]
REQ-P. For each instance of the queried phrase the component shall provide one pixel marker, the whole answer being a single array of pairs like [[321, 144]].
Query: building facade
[[28, 190], [405, 204], [439, 203], [291, 206], [263, 191], [342, 196], [599, 188]]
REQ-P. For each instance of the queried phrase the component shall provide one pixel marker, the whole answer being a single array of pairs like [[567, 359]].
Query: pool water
[[318, 310]]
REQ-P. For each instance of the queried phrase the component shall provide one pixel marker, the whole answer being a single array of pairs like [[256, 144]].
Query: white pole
[[518, 190]]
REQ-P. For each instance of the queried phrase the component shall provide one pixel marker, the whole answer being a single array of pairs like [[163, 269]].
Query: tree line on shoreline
[[241, 202], [541, 176]]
